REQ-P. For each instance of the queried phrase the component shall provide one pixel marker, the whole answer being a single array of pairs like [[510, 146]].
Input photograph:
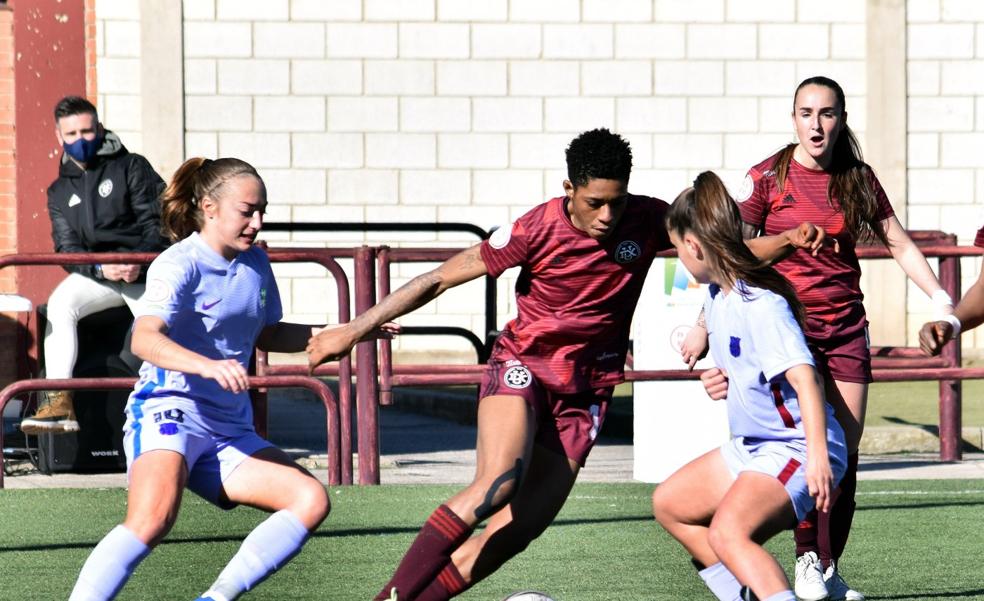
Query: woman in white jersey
[[210, 299], [788, 450]]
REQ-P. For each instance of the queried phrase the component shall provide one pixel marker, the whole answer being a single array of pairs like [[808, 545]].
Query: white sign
[[674, 422]]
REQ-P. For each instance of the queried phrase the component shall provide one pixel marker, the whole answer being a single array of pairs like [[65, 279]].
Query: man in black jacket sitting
[[104, 200]]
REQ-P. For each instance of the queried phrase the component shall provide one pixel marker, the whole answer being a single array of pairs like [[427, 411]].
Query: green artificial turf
[[911, 540]]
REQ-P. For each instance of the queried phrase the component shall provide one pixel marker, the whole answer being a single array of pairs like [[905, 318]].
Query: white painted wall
[[455, 110]]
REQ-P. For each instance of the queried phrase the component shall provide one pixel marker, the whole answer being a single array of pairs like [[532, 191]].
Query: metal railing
[[315, 385]]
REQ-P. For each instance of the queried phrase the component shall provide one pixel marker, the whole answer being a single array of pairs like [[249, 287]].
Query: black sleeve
[[145, 187], [65, 238]]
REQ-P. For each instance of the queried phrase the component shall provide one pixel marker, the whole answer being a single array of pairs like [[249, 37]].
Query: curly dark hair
[[598, 154]]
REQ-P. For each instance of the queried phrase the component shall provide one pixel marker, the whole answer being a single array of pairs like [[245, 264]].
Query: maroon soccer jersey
[[979, 238], [575, 295], [827, 283]]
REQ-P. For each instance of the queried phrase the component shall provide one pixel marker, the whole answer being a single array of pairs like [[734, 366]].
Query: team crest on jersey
[[157, 292], [105, 187], [735, 346], [747, 187], [627, 251], [517, 377], [500, 237]]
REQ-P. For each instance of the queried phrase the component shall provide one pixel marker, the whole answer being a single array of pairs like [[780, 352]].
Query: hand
[[229, 373], [330, 344], [810, 237], [820, 481], [933, 336], [694, 347], [116, 273], [385, 331], [715, 381]]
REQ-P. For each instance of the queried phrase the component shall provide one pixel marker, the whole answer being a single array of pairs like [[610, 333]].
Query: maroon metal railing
[[322, 256], [315, 385], [890, 364]]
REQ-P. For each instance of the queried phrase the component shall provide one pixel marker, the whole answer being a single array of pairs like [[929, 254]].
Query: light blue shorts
[[210, 457], [783, 460]]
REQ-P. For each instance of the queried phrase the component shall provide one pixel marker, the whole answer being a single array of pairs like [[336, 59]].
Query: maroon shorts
[[840, 344], [565, 423]]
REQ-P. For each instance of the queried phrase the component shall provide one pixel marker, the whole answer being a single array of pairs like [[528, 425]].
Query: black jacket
[[111, 206]]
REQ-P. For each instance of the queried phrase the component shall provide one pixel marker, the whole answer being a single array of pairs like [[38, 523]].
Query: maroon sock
[[823, 530], [447, 584], [805, 534], [842, 512], [430, 552]]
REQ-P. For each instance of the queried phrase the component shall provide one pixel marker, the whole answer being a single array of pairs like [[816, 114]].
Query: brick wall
[[8, 194], [8, 189]]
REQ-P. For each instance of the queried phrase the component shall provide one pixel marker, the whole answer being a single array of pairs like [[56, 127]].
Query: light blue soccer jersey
[[755, 339], [213, 307]]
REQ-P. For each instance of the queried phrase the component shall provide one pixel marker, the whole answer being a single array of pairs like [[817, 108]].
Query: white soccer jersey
[[754, 338], [213, 307]]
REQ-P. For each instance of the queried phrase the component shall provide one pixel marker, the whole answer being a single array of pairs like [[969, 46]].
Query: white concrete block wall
[[454, 110], [118, 69], [946, 126]]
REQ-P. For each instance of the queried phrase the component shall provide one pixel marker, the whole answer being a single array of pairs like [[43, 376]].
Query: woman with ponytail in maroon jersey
[[823, 179]]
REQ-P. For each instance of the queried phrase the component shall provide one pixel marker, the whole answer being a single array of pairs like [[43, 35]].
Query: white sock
[[782, 596], [267, 548], [109, 566], [722, 582]]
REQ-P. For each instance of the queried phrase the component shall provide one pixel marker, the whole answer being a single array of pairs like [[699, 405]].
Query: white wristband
[[954, 322], [942, 303]]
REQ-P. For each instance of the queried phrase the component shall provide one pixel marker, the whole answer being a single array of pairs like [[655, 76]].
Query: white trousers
[[74, 298]]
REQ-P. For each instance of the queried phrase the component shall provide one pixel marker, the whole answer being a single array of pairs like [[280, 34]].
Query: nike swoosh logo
[[207, 306]]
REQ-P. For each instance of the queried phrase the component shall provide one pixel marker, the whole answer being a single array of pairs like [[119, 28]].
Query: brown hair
[[709, 212], [850, 176], [195, 179]]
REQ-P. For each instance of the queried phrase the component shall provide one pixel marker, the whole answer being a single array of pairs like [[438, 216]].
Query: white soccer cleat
[[809, 578], [838, 589]]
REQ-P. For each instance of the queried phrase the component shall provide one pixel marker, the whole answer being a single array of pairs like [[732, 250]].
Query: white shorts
[[210, 457], [783, 460]]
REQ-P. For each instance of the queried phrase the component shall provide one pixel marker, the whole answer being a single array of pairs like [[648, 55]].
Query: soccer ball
[[529, 596]]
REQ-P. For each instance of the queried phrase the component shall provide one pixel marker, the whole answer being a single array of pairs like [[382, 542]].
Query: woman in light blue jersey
[[787, 451], [210, 298]]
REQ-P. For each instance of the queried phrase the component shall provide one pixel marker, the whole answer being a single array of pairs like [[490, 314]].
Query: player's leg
[[755, 508], [269, 480], [157, 479], [74, 298], [850, 401], [684, 505], [510, 530], [820, 538], [565, 435], [505, 433]]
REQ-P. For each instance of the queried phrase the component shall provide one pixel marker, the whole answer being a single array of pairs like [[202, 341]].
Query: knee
[[62, 311], [663, 508], [722, 536], [311, 503], [488, 497], [150, 528]]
